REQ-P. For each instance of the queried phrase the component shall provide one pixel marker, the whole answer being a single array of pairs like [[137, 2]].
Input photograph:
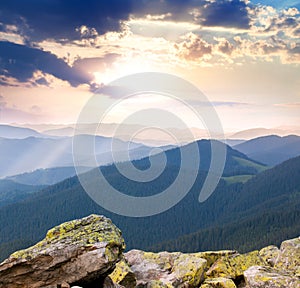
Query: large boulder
[[268, 277], [289, 256], [78, 252], [166, 269]]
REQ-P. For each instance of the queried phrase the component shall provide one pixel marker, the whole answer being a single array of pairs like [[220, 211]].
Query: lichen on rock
[[123, 275], [170, 269], [233, 266], [268, 277], [74, 252], [218, 283], [289, 256], [269, 254]]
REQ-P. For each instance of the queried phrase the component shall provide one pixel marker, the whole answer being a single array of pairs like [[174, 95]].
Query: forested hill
[[26, 222], [267, 209]]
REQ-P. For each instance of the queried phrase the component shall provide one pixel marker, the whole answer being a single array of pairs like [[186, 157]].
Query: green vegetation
[[237, 179], [250, 163]]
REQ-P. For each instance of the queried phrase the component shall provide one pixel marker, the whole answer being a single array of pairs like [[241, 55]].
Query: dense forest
[[245, 216]]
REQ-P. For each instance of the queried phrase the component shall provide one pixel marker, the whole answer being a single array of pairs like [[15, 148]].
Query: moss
[[289, 256], [190, 269], [82, 232], [258, 276], [234, 266], [123, 275], [212, 256], [218, 283], [269, 255]]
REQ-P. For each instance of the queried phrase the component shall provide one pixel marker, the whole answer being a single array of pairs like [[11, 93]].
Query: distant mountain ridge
[[272, 149], [14, 132], [261, 132], [48, 176], [32, 153]]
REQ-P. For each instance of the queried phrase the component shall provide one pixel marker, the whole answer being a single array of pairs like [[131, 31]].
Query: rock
[[212, 256], [166, 269], [123, 275], [267, 277], [233, 266], [289, 256], [269, 255], [218, 283], [76, 252]]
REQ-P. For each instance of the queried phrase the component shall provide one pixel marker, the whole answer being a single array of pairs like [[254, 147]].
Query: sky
[[243, 55]]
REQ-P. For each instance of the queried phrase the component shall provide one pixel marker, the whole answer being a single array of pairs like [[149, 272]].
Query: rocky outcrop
[[78, 252], [267, 277], [88, 253]]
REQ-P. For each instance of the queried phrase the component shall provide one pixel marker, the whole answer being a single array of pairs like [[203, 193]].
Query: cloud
[[295, 105], [20, 62], [193, 48], [226, 13], [73, 20], [95, 64], [58, 19], [229, 103]]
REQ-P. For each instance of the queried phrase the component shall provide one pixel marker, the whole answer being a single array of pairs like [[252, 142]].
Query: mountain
[[12, 132], [47, 176], [62, 132], [26, 155], [272, 149], [260, 132], [67, 200], [12, 192], [265, 210]]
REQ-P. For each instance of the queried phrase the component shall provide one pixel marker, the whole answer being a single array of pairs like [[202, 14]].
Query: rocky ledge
[[89, 253]]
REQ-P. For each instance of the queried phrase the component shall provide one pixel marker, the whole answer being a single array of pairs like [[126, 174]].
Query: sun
[[125, 66]]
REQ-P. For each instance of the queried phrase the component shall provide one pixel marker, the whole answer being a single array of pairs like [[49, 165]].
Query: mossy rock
[[269, 254], [218, 283], [289, 256], [234, 266], [81, 232], [171, 269], [212, 256], [123, 275], [77, 252], [268, 277], [189, 269]]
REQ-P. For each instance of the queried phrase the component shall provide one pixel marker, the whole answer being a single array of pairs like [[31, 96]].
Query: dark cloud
[[59, 19], [20, 62], [226, 13]]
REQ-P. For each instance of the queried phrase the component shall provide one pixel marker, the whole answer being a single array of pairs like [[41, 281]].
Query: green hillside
[[30, 219]]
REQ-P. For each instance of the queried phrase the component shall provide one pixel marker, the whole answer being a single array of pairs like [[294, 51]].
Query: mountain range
[[30, 218], [271, 150], [32, 153]]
